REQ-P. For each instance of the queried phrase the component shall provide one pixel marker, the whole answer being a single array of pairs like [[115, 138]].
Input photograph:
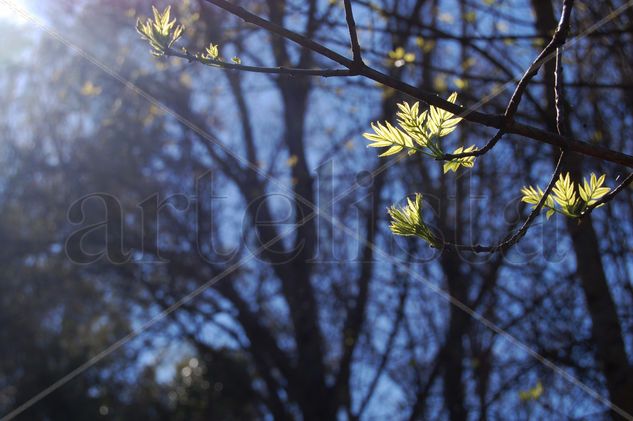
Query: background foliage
[[336, 319]]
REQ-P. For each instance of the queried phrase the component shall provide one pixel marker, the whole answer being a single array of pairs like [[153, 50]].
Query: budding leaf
[[419, 132], [466, 162], [161, 33], [408, 221], [565, 194], [212, 52], [591, 191]]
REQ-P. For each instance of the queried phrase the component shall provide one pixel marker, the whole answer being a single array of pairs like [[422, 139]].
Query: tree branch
[[281, 31], [607, 197], [257, 69], [558, 40], [489, 120], [515, 238], [558, 90], [353, 34], [478, 152]]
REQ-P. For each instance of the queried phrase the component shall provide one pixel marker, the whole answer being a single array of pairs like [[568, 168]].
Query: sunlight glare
[[9, 14]]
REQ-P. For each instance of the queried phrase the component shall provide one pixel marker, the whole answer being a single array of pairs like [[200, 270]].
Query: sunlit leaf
[[161, 33], [442, 122], [591, 191], [533, 196], [388, 136], [466, 162], [212, 52], [565, 195], [413, 122], [565, 200], [418, 132], [408, 221]]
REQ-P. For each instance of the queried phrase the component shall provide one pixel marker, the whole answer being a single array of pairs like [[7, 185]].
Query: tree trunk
[[606, 329], [454, 347]]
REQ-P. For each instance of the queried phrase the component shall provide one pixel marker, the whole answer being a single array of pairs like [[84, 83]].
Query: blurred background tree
[[205, 174]]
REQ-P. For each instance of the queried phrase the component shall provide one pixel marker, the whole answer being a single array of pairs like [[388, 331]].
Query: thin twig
[[558, 91], [512, 239], [477, 152], [257, 69], [558, 40], [283, 32], [608, 197], [490, 120], [353, 33]]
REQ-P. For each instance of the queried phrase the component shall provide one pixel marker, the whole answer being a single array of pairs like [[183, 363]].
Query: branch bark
[[489, 120]]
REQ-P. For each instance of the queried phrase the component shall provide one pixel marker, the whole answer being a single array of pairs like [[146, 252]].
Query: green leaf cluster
[[592, 190], [390, 137], [568, 198], [211, 57], [212, 52], [466, 162], [160, 32], [420, 132], [408, 221]]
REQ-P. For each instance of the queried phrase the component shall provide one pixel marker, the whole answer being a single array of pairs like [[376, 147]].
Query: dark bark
[[490, 120], [453, 352], [314, 398], [606, 330]]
